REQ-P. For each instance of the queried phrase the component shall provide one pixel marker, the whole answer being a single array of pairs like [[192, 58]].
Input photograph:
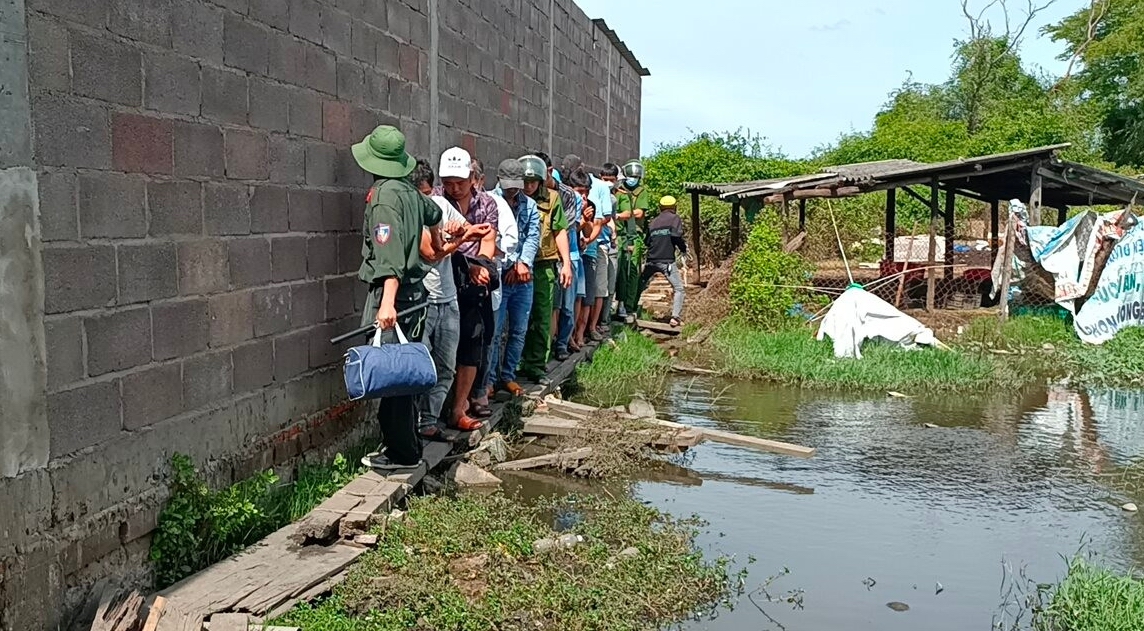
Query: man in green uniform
[[554, 254], [632, 204], [395, 216]]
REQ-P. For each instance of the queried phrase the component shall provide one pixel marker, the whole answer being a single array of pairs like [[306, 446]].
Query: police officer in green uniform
[[395, 216], [553, 264], [632, 204]]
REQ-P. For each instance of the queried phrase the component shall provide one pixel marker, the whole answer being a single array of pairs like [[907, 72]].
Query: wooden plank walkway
[[307, 558]]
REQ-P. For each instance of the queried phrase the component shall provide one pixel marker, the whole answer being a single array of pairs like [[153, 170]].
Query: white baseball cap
[[455, 162]]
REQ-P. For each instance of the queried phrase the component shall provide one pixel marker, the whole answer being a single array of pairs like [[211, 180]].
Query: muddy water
[[890, 508]]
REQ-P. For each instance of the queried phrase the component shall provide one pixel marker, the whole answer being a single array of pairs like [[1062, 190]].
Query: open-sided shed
[[1037, 175]]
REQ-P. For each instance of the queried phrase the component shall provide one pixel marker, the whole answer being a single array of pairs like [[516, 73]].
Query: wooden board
[[579, 411], [559, 460], [658, 327], [679, 438]]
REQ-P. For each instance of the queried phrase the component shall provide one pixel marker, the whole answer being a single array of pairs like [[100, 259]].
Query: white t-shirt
[[439, 281], [508, 233]]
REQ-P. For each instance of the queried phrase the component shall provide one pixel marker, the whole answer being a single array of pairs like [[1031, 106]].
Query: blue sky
[[798, 72]]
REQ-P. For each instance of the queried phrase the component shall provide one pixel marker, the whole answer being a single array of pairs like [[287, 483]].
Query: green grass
[[634, 364], [1091, 598], [200, 526], [468, 563], [793, 357]]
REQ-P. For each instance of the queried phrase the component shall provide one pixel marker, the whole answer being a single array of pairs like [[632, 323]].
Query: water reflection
[[1020, 477]]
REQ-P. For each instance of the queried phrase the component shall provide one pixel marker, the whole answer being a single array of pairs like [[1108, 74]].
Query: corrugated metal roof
[[870, 170]]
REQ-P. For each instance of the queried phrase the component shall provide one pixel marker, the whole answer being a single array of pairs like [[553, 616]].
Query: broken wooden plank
[[560, 460], [739, 440], [543, 425], [658, 327], [579, 411], [154, 613], [322, 522], [693, 370], [230, 622], [126, 616], [320, 589]]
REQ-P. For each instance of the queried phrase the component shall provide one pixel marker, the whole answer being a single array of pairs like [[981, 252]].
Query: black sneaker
[[379, 462], [562, 356]]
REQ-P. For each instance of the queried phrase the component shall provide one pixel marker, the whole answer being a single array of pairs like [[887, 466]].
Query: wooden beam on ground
[[155, 613], [658, 327], [931, 272], [568, 459], [693, 370], [695, 229], [681, 437], [578, 411], [891, 218]]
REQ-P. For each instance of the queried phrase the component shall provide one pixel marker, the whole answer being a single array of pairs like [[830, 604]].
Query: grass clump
[[200, 526], [792, 356], [1092, 598], [634, 364], [469, 563]]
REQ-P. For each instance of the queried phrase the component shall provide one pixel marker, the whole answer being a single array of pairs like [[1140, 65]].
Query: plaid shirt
[[482, 209]]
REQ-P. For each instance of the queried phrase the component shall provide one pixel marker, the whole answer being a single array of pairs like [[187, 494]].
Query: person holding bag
[[396, 214]]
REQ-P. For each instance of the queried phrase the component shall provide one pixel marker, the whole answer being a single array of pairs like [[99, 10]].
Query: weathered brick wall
[[197, 229]]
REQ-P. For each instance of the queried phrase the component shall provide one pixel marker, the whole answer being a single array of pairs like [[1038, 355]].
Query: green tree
[[1105, 40]]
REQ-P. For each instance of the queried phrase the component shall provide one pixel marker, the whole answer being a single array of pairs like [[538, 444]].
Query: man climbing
[[554, 253], [665, 235], [632, 205], [395, 216]]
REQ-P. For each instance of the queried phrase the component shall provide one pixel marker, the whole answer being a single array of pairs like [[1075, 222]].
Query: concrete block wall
[[179, 233]]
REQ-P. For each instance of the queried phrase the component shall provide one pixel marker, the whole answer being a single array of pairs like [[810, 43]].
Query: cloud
[[837, 26]]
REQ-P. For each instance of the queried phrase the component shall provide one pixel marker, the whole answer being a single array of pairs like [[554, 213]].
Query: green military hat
[[383, 153]]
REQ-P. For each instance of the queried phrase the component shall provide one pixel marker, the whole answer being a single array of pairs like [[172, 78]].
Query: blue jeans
[[442, 334], [567, 320], [512, 325]]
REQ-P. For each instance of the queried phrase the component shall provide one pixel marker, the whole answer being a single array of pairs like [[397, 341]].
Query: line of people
[[496, 282]]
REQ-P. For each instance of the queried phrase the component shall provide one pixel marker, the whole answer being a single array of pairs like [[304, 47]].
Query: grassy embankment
[[633, 364], [470, 563], [1026, 351], [1088, 598]]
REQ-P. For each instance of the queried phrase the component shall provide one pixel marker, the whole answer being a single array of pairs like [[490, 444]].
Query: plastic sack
[[389, 370]]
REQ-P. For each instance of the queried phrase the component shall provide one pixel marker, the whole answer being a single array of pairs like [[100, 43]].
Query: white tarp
[[1118, 302], [858, 315]]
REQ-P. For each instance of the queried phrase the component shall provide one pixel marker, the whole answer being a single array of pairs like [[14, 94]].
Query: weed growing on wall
[[199, 526]]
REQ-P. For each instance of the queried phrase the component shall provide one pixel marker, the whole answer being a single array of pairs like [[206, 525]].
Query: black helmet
[[534, 169]]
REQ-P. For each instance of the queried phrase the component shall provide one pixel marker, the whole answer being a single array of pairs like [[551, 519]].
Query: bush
[[765, 280]]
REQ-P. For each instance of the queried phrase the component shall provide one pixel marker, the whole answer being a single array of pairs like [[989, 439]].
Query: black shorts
[[476, 331]]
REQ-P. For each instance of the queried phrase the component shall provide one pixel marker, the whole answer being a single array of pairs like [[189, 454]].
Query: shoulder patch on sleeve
[[381, 233]]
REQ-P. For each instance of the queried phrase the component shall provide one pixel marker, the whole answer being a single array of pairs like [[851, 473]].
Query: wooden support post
[[1007, 265], [994, 229], [1035, 195], [1062, 215], [786, 215], [891, 217], [950, 201], [802, 215], [931, 272], [695, 233], [735, 209]]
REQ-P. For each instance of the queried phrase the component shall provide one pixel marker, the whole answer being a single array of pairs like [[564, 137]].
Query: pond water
[[889, 508]]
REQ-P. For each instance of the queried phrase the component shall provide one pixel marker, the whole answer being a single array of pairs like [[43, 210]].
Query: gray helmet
[[534, 169], [634, 169]]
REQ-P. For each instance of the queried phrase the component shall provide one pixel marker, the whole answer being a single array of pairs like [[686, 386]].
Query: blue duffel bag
[[389, 370]]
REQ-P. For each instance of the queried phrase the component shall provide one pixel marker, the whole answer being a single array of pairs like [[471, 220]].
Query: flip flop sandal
[[514, 389], [675, 322], [467, 424], [434, 434], [480, 411]]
